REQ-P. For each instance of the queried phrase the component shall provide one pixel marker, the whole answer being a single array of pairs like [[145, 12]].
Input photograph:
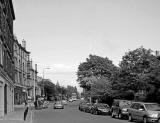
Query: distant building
[[38, 89], [74, 96], [21, 57], [31, 78], [7, 17]]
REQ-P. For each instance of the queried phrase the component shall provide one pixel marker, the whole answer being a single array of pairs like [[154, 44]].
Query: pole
[[43, 94], [34, 87], [43, 83]]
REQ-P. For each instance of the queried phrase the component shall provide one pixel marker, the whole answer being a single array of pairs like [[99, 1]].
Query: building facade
[[7, 17], [32, 79], [39, 86], [21, 58]]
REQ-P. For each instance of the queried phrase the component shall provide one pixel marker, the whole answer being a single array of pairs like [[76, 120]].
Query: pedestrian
[[26, 110], [35, 104]]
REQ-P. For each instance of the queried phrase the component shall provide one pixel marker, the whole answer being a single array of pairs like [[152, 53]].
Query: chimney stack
[[24, 44], [35, 67], [157, 53]]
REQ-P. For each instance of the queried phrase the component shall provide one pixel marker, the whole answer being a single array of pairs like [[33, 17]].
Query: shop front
[[20, 95]]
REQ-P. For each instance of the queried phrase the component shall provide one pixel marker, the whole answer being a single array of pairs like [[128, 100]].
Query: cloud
[[64, 68]]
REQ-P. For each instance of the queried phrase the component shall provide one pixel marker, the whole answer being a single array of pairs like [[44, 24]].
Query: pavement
[[17, 116]]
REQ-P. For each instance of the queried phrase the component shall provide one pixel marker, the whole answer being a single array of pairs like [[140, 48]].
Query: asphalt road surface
[[70, 114]]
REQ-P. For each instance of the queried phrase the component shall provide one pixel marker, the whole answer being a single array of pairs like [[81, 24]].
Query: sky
[[60, 34]]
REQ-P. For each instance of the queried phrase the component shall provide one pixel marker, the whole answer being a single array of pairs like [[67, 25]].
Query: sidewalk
[[17, 115]]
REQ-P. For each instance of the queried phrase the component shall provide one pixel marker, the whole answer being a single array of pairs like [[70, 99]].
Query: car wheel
[[120, 116], [130, 118], [112, 115], [144, 120]]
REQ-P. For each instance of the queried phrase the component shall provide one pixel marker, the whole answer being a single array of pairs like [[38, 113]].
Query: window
[[141, 107], [1, 53], [135, 106]]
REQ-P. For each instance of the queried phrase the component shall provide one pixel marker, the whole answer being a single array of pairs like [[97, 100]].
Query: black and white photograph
[[79, 61]]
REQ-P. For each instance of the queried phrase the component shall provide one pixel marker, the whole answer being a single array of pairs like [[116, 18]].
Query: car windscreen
[[58, 102], [101, 106], [125, 104], [153, 107]]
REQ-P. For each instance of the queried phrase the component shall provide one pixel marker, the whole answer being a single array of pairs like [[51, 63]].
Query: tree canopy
[[139, 71]]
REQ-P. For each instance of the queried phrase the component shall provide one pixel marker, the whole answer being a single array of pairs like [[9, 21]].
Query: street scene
[[79, 61], [71, 114]]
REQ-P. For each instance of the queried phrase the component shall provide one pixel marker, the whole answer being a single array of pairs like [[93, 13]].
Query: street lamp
[[43, 94], [34, 86]]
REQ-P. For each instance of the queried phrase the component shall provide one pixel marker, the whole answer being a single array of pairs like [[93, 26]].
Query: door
[[5, 99], [134, 111], [141, 112]]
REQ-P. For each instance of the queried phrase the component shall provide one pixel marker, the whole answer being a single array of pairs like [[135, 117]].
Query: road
[[70, 114]]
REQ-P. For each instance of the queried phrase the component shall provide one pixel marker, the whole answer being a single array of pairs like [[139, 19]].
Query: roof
[[146, 102], [12, 9]]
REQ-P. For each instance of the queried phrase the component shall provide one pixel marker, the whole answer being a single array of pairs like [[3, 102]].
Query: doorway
[[5, 99]]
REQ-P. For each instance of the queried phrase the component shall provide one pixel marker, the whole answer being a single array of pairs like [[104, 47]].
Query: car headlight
[[153, 115]]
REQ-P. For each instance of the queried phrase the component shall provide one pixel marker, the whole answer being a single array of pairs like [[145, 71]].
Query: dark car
[[82, 105], [100, 108], [120, 108], [88, 107], [146, 112]]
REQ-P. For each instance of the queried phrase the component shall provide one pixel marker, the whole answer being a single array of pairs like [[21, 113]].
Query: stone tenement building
[[7, 17], [21, 57], [31, 78]]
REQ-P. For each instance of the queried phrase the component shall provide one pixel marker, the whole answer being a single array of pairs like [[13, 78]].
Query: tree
[[49, 88], [95, 74], [137, 69], [153, 78], [70, 90], [95, 66]]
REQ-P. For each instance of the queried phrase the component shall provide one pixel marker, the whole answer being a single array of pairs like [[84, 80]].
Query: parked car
[[70, 100], [120, 108], [100, 108], [64, 102], [146, 112], [58, 105], [82, 105], [88, 107]]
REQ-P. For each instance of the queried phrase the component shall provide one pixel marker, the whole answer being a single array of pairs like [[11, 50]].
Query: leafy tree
[[139, 70], [95, 66], [153, 78], [70, 90], [49, 88], [95, 74]]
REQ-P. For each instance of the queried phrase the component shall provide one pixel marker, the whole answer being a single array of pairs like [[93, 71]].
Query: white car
[[64, 102], [70, 100]]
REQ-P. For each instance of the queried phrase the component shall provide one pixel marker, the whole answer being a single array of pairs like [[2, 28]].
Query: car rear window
[[153, 107], [125, 103], [102, 105]]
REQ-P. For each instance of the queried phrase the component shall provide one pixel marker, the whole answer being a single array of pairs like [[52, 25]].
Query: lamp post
[[43, 94], [34, 86]]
